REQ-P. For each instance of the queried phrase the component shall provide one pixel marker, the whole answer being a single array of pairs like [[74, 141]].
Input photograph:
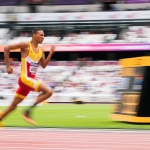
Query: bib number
[[33, 70]]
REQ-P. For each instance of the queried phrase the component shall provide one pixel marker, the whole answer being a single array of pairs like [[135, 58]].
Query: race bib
[[33, 68]]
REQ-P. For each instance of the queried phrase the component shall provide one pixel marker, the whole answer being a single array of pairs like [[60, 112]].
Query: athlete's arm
[[44, 61], [7, 49]]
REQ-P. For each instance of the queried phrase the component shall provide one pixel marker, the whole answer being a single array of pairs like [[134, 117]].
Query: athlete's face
[[39, 36]]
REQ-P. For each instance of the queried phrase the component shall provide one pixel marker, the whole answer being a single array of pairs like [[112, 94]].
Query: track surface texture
[[69, 139]]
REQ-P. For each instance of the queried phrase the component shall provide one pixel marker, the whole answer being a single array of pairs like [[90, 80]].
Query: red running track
[[63, 139]]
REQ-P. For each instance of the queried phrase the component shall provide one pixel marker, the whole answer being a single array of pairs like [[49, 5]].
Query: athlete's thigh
[[44, 88], [22, 93], [37, 85], [19, 96], [29, 83]]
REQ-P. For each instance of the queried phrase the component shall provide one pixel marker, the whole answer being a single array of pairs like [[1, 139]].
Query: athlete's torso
[[30, 63]]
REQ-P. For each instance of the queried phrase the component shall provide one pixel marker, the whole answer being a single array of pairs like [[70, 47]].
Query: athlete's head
[[38, 35]]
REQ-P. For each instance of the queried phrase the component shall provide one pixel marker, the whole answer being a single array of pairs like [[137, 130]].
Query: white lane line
[[76, 130]]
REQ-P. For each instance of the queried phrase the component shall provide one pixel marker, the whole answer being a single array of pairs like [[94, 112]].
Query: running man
[[32, 56]]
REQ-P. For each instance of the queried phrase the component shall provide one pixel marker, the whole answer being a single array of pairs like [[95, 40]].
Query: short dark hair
[[35, 30]]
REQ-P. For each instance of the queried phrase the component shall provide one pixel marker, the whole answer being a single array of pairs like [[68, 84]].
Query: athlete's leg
[[13, 105], [46, 93], [19, 96]]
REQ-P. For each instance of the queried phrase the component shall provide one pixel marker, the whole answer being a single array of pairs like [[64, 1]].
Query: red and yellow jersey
[[29, 66]]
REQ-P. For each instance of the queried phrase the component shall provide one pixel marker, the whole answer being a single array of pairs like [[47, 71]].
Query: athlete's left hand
[[52, 49]]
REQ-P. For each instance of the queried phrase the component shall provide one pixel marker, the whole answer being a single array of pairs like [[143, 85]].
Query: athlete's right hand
[[9, 70]]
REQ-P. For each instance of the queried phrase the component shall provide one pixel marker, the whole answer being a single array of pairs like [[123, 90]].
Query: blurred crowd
[[66, 77], [131, 34], [134, 34]]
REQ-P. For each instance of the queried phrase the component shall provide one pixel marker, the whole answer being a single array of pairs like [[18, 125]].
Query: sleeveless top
[[30, 63]]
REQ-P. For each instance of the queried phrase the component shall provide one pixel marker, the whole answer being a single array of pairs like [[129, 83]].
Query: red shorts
[[24, 89]]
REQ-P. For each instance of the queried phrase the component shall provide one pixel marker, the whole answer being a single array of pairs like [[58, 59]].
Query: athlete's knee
[[49, 92], [45, 89]]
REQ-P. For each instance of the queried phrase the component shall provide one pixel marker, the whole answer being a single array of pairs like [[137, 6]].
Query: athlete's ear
[[34, 35]]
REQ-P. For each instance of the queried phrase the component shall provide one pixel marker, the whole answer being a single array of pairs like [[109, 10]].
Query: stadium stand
[[132, 34], [65, 77], [91, 79], [4, 35], [41, 6]]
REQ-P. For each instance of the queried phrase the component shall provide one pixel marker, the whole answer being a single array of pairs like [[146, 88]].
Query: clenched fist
[[9, 70]]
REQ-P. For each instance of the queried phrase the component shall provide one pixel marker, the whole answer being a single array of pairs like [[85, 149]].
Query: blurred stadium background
[[90, 37]]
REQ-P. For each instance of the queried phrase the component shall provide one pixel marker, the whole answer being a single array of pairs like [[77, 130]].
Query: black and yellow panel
[[128, 105], [134, 103]]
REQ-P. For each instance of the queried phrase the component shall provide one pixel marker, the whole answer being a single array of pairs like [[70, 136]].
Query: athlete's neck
[[34, 43]]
